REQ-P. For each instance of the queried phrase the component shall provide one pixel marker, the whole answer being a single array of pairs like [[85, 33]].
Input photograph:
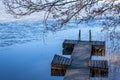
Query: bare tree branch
[[63, 11]]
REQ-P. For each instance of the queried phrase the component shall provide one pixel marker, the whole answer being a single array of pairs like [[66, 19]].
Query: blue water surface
[[26, 52]]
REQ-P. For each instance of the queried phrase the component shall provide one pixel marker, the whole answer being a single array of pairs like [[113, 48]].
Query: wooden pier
[[80, 66]]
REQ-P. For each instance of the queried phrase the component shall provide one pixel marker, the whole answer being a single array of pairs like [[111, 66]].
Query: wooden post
[[90, 35], [79, 35]]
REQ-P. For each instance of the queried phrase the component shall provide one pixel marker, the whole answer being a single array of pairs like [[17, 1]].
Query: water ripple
[[18, 33]]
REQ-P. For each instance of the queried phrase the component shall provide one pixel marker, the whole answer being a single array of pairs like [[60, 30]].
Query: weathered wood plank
[[77, 74], [79, 68], [61, 60], [59, 65], [98, 63], [81, 55]]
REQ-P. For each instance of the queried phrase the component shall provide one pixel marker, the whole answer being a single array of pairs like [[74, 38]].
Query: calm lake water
[[26, 53]]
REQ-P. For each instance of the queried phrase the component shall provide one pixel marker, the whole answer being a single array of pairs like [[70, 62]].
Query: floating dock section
[[59, 65]]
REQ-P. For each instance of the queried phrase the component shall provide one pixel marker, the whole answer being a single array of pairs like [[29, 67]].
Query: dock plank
[[77, 74], [79, 68]]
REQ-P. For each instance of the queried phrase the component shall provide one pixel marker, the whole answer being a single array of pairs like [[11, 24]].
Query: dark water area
[[26, 53]]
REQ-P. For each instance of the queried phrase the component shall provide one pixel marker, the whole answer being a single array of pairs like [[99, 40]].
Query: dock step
[[59, 65], [60, 60]]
